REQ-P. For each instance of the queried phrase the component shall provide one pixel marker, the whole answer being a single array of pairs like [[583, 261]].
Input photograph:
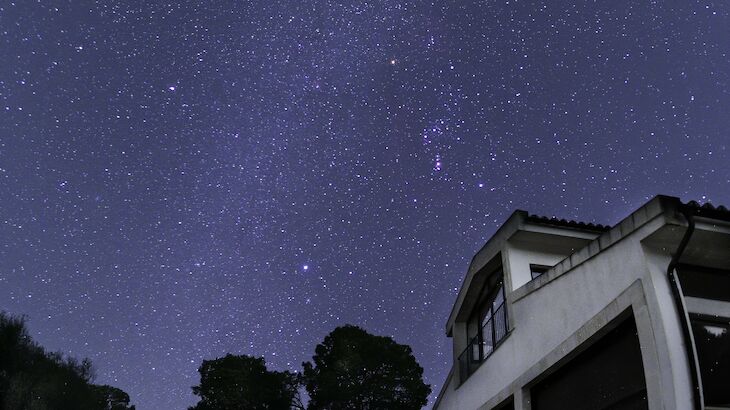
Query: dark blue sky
[[182, 180]]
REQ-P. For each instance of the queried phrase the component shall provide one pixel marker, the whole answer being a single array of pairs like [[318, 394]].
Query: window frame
[[720, 278], [485, 313], [538, 270], [702, 318]]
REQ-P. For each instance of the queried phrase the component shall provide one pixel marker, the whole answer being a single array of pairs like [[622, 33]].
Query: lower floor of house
[[609, 374]]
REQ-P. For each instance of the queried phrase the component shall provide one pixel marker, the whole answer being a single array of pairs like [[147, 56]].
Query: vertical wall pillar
[[522, 399]]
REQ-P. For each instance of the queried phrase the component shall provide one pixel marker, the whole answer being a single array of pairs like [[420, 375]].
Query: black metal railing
[[482, 345]]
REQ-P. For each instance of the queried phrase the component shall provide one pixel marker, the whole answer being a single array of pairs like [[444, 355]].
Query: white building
[[556, 314]]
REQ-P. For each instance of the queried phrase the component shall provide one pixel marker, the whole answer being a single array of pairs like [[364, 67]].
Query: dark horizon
[[181, 181]]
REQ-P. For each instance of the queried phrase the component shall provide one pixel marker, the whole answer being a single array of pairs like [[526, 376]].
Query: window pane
[[475, 353], [488, 343], [500, 324], [472, 327], [538, 270], [705, 283], [499, 298], [487, 317], [713, 350]]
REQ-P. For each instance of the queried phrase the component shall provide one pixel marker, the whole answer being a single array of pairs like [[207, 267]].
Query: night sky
[[182, 180]]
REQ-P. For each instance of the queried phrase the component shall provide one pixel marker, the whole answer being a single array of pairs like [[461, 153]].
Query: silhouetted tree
[[355, 370], [112, 398], [244, 383], [32, 379]]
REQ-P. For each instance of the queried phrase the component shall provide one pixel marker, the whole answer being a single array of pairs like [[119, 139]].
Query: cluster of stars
[[183, 180]]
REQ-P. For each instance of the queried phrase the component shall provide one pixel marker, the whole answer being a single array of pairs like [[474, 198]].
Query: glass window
[[499, 298], [704, 282], [487, 316], [537, 270], [712, 338], [486, 327]]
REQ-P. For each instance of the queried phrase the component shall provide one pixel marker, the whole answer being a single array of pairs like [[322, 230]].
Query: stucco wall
[[519, 259]]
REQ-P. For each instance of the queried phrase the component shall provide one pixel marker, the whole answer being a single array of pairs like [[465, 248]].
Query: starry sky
[[179, 180]]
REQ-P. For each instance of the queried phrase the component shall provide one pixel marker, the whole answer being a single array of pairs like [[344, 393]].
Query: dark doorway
[[607, 375]]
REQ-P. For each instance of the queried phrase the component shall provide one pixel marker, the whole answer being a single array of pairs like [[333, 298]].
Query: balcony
[[482, 345]]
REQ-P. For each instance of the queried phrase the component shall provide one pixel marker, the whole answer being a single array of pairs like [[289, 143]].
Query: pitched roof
[[708, 210], [564, 223]]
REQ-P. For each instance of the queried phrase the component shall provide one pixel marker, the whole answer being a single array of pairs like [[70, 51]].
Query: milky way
[[182, 180]]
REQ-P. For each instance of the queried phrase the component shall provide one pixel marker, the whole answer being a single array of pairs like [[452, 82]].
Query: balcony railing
[[482, 345]]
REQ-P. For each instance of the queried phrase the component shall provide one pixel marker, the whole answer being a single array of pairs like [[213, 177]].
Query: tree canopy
[[353, 369], [33, 379], [244, 383]]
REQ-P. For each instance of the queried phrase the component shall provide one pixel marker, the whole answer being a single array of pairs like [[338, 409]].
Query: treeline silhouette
[[350, 370], [33, 379]]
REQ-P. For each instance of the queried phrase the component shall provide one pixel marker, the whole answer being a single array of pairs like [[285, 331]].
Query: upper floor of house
[[523, 249], [516, 281]]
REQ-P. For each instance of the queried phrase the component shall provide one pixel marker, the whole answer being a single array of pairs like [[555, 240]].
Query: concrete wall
[[520, 257]]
